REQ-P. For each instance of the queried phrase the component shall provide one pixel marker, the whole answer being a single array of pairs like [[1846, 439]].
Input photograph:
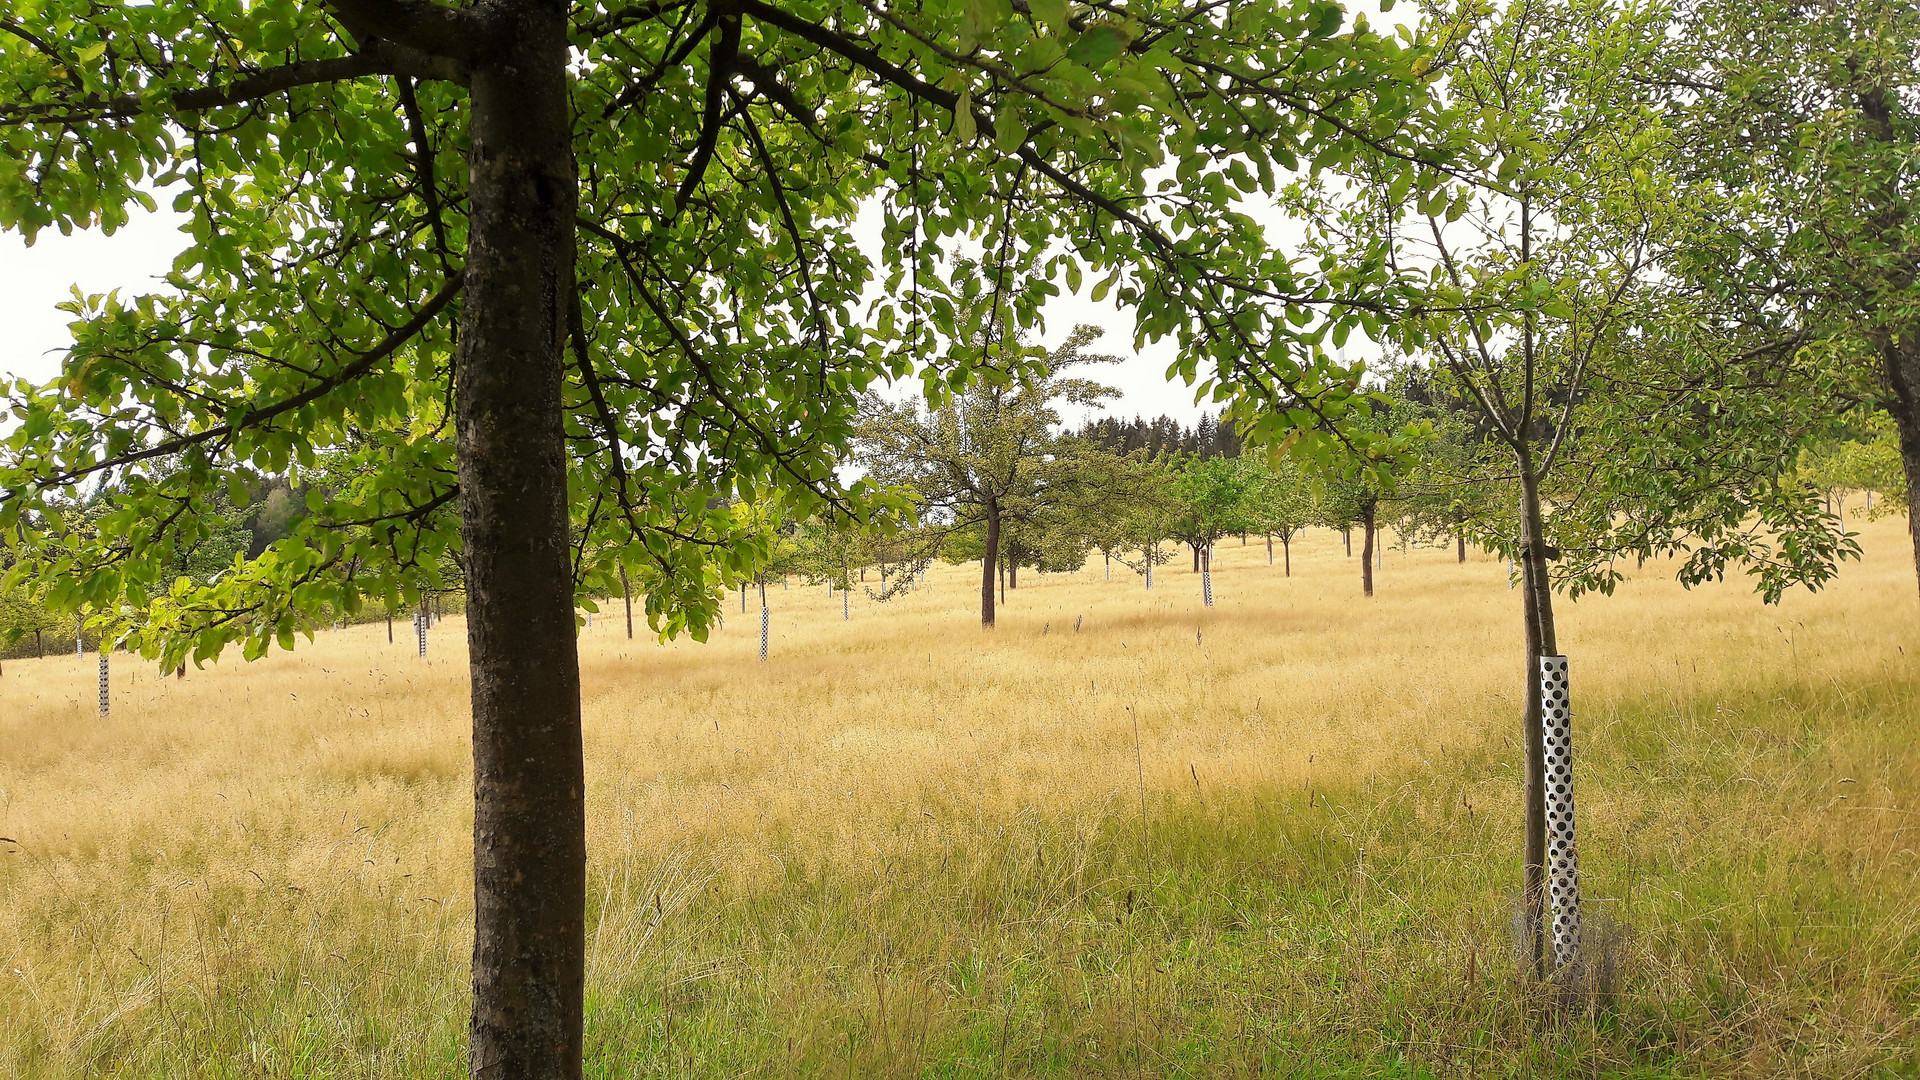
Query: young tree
[[1350, 498], [990, 452], [1212, 495], [638, 216], [1280, 502], [1119, 491], [1630, 415]]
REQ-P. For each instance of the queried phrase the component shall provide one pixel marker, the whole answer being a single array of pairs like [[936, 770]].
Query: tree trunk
[[1286, 547], [40, 644], [626, 594], [1541, 641], [1346, 537], [1013, 573], [1269, 549], [1901, 363], [1366, 551], [529, 825], [1460, 546], [988, 561], [1196, 557]]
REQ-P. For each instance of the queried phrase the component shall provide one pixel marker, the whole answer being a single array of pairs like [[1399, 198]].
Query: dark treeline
[[1212, 437]]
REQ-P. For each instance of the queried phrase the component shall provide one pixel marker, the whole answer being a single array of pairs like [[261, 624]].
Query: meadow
[[1120, 835]]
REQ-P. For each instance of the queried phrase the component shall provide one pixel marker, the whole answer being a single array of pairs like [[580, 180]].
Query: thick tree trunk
[[1901, 363], [1196, 557], [1460, 543], [1013, 573], [1346, 537], [529, 826], [626, 594], [1541, 641], [1366, 551], [988, 561]]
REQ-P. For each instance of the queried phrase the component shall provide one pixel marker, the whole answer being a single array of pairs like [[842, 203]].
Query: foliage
[[1798, 124], [1212, 495], [1280, 500], [306, 329], [1865, 460], [1638, 416]]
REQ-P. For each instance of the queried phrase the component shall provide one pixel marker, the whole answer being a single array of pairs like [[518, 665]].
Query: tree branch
[[255, 417]]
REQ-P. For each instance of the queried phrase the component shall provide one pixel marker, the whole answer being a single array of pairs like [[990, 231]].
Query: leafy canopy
[[724, 320]]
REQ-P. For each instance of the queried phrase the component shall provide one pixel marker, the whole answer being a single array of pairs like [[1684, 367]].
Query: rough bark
[[1901, 363], [1896, 342], [1366, 551], [529, 829], [988, 561]]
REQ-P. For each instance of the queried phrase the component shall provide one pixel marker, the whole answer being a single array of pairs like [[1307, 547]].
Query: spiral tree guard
[[1563, 861], [1206, 578]]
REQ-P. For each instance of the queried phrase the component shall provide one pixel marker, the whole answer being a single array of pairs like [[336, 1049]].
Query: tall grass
[[905, 847]]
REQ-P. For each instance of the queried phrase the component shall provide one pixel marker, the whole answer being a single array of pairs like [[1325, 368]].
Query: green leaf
[[1098, 45], [963, 129], [1327, 21], [1051, 13]]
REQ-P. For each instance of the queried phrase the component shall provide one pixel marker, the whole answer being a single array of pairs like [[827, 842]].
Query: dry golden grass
[[905, 846]]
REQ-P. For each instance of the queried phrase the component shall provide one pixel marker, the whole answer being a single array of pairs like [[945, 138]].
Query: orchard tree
[[989, 452], [1864, 458], [1212, 495], [1349, 498], [1121, 488], [1798, 123], [1630, 415], [1279, 502], [638, 219]]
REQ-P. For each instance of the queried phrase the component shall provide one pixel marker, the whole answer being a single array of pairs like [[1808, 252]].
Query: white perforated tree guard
[[846, 613], [103, 682], [763, 634], [420, 631], [1563, 860]]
